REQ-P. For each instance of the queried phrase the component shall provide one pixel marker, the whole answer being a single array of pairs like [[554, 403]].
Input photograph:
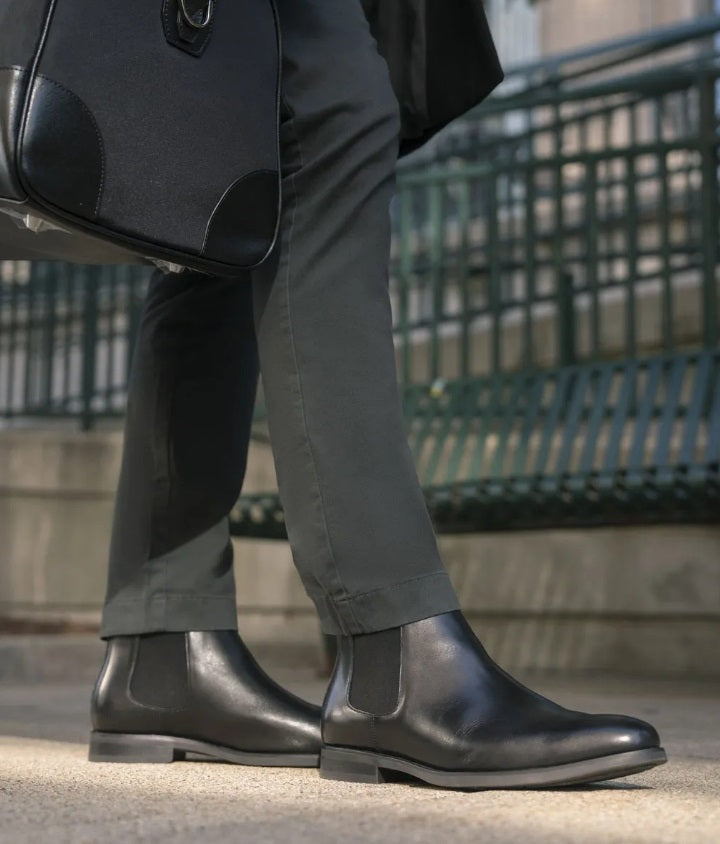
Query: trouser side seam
[[399, 585], [298, 377]]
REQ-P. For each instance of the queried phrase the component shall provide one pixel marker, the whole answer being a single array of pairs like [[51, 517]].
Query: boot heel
[[127, 747], [349, 766]]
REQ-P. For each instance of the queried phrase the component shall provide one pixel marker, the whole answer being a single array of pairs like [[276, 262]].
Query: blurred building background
[[528, 29], [562, 243]]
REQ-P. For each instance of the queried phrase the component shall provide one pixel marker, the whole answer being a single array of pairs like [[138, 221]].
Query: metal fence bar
[[710, 214], [89, 347]]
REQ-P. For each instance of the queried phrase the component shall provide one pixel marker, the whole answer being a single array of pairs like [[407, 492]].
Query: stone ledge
[[76, 658]]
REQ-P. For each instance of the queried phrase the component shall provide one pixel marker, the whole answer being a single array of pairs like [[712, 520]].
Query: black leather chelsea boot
[[425, 699], [162, 695]]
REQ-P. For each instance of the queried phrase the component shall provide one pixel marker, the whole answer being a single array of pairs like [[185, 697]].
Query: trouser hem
[[391, 606], [168, 614]]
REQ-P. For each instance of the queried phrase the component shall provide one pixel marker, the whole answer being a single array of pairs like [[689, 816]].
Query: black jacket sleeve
[[442, 60]]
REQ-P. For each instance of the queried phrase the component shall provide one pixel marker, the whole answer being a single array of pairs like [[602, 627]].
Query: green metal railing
[[574, 217], [66, 338]]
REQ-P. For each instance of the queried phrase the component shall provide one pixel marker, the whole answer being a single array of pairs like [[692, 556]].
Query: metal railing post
[[566, 321], [710, 205], [89, 343]]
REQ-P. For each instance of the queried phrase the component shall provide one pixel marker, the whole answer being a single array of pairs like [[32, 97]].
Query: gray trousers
[[315, 320]]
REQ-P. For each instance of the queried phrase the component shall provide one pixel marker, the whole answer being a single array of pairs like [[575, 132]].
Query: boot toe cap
[[606, 735], [301, 734], [577, 737]]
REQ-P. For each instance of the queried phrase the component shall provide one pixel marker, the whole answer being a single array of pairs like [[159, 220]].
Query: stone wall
[[570, 24], [640, 600]]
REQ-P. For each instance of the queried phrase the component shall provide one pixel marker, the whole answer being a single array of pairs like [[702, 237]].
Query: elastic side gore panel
[[375, 684]]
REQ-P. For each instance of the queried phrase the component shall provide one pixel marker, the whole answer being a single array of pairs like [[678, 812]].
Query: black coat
[[442, 60]]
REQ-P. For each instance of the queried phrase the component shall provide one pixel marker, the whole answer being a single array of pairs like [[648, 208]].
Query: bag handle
[[188, 24], [191, 19]]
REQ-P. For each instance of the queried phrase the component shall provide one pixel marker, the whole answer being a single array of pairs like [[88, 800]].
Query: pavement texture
[[49, 792]]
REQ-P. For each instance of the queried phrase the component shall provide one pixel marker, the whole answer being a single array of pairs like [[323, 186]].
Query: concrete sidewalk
[[49, 792]]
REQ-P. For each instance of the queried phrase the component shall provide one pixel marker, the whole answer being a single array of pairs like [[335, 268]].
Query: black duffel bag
[[148, 129], [140, 128]]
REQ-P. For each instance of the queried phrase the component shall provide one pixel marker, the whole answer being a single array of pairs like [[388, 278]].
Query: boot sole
[[133, 747], [337, 763]]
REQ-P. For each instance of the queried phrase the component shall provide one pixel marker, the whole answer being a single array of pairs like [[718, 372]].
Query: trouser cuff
[[391, 606], [169, 614]]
